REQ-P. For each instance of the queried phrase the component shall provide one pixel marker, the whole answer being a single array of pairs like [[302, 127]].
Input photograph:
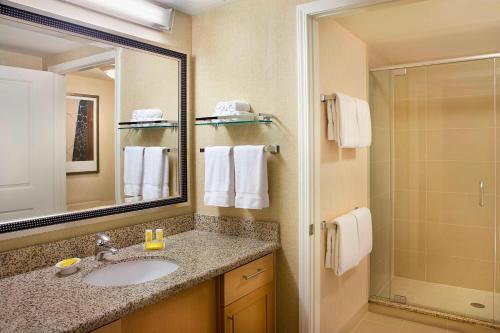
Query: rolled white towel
[[233, 106], [147, 114]]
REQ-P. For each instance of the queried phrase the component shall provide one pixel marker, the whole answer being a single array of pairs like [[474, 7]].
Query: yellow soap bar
[[154, 245], [68, 262]]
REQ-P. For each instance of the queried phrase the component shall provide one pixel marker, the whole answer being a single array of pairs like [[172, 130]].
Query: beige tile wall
[[443, 146]]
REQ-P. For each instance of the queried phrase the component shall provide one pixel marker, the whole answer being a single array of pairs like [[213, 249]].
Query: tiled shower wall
[[442, 144]]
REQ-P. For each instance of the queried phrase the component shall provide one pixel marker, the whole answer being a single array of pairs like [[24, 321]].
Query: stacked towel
[[349, 241], [342, 252], [232, 108], [364, 222], [364, 123], [132, 171], [147, 115], [250, 167], [155, 181], [348, 122], [347, 131], [219, 177]]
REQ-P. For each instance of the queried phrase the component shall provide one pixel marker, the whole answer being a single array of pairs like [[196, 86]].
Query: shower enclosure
[[434, 170]]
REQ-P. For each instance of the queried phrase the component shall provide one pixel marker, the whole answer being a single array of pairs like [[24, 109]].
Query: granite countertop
[[41, 301]]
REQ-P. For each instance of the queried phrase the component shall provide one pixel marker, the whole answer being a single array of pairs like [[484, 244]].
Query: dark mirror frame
[[32, 18]]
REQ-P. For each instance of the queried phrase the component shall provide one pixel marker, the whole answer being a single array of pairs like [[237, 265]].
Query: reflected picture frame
[[82, 131]]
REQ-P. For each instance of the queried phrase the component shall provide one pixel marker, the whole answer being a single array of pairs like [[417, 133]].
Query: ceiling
[[419, 30], [31, 42], [194, 7]]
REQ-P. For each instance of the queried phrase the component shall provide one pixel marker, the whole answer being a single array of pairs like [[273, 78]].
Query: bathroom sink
[[130, 272]]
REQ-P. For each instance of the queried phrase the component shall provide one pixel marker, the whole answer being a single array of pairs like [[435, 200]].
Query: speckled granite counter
[[39, 301]]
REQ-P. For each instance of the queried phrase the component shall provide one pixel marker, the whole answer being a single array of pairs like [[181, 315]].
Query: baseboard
[[431, 317]]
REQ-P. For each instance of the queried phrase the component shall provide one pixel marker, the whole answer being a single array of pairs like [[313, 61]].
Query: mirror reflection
[[83, 124]]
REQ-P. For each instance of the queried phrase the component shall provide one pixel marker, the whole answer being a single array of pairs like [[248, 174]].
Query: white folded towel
[[231, 108], [342, 250], [234, 106], [364, 123], [250, 174], [219, 176], [132, 171], [346, 122], [330, 119], [364, 221], [154, 173], [165, 188], [147, 114]]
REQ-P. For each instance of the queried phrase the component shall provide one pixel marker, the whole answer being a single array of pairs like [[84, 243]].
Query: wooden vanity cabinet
[[240, 301], [248, 297]]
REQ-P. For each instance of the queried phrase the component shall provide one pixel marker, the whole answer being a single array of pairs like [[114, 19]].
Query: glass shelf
[[251, 119], [147, 124]]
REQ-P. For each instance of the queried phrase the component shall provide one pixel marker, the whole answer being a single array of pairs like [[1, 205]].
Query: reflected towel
[[155, 168], [132, 171]]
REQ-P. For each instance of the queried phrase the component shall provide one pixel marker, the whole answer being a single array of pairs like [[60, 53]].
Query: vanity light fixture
[[152, 14]]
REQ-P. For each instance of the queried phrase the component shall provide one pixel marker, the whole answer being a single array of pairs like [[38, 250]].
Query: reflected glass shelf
[[147, 124], [252, 119]]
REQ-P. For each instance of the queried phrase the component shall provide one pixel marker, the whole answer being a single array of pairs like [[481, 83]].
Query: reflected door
[[32, 168]]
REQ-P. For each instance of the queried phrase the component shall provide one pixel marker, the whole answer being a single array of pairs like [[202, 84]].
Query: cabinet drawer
[[245, 279]]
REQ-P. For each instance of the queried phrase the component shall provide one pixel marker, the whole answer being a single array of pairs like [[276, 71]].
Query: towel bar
[[273, 149], [324, 224], [167, 149], [325, 98]]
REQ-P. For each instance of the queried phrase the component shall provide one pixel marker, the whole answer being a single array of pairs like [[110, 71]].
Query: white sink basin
[[130, 272]]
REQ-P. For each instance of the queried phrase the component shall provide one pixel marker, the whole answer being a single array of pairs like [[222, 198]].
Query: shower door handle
[[481, 193]]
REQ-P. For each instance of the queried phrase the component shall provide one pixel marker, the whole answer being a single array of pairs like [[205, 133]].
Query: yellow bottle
[[148, 235], [159, 235]]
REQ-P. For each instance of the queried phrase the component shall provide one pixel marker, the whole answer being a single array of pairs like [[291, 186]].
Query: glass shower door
[[443, 185]]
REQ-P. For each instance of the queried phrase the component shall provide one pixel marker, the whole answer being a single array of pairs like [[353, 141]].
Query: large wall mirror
[[91, 123]]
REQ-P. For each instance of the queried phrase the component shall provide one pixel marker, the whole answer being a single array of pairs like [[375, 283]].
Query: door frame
[[308, 151], [92, 61]]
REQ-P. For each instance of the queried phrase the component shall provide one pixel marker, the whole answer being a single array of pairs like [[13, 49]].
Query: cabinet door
[[253, 313], [194, 310]]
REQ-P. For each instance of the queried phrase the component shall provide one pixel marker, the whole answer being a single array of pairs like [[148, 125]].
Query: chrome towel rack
[[325, 98], [167, 149], [273, 149], [325, 225]]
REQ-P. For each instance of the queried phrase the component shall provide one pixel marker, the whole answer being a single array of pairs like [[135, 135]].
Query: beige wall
[[179, 39], [343, 172], [246, 50], [95, 189], [15, 59]]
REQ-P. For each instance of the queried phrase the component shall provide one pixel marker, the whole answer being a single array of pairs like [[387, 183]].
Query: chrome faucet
[[102, 246]]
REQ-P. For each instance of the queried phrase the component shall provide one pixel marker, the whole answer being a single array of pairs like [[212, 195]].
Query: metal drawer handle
[[251, 276], [481, 193], [232, 323]]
